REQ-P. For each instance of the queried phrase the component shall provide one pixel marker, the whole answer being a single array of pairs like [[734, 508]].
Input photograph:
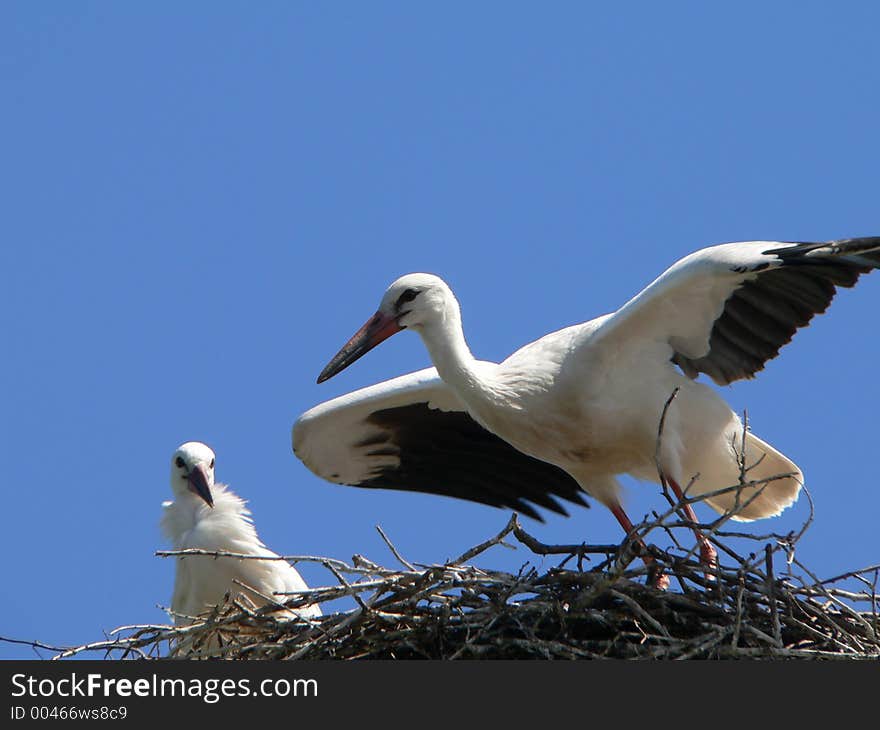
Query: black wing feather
[[449, 453], [763, 314]]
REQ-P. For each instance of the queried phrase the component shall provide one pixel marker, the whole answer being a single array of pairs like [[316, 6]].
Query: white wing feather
[[323, 437]]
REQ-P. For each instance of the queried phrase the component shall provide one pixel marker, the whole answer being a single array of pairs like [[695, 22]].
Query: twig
[[406, 564]]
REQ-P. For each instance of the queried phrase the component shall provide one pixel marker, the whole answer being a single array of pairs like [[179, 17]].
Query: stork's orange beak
[[376, 329]]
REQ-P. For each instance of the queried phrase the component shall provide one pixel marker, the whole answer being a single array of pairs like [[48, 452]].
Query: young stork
[[569, 412], [210, 516]]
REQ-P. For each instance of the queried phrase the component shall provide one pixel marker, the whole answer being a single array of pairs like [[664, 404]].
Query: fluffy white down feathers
[[190, 521]]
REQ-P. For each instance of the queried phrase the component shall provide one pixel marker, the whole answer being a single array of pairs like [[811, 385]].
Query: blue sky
[[202, 202]]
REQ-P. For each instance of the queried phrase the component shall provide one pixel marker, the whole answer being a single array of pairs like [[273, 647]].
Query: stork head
[[414, 301], [192, 471]]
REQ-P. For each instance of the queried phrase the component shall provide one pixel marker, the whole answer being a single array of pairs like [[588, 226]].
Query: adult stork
[[569, 412], [207, 515]]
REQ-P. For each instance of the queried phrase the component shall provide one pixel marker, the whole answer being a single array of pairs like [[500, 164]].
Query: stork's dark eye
[[407, 296], [212, 464], [179, 462]]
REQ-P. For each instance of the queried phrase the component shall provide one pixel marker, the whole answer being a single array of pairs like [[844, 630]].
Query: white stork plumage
[[574, 409], [209, 516]]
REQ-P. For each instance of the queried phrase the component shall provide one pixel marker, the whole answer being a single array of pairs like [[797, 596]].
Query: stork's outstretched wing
[[726, 310], [412, 433]]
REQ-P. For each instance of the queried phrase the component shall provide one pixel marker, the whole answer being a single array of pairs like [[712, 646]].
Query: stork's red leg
[[661, 580], [708, 554]]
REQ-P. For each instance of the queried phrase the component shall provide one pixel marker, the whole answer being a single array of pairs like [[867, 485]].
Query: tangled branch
[[745, 608], [595, 603]]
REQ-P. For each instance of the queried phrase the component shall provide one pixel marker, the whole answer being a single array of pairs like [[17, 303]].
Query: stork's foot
[[708, 554], [708, 557], [656, 576], [661, 581]]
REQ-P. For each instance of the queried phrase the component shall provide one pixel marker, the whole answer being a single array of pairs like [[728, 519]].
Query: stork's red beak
[[198, 483], [377, 329]]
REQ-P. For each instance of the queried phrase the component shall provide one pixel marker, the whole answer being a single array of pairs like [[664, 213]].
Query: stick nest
[[597, 603], [758, 601]]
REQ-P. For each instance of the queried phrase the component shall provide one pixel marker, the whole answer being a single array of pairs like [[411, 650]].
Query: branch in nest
[[456, 610], [762, 603]]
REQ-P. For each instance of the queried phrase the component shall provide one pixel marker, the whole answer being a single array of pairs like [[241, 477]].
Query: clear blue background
[[201, 202]]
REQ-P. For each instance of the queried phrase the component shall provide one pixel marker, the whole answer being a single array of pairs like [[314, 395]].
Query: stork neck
[[451, 355]]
